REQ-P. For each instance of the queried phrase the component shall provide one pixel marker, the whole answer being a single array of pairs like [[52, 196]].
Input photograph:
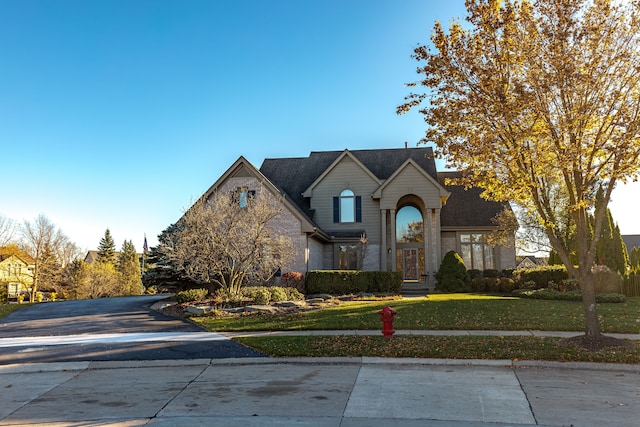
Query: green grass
[[464, 347], [443, 312], [10, 308]]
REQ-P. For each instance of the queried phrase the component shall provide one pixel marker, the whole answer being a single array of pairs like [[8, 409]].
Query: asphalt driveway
[[107, 329]]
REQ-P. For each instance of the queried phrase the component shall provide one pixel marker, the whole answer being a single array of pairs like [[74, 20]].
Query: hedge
[[344, 282]]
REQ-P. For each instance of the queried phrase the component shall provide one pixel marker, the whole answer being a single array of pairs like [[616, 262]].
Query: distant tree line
[[57, 265]]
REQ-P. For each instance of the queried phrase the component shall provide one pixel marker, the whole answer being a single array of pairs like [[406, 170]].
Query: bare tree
[[42, 241], [7, 230], [226, 243]]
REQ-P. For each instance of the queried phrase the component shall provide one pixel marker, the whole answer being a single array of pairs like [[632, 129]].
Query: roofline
[[345, 153], [444, 194]]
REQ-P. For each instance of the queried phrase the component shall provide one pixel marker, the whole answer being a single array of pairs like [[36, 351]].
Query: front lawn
[[443, 312]]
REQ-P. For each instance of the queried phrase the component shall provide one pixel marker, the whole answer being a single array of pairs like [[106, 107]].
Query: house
[[386, 209], [530, 261], [631, 241], [15, 270]]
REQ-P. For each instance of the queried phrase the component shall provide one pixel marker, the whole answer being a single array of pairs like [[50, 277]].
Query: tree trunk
[[592, 325]]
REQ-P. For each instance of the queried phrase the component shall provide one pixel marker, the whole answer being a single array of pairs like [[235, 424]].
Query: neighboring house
[[531, 262], [15, 270], [631, 241], [393, 197]]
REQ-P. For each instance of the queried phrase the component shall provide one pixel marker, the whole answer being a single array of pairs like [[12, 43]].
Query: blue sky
[[116, 114]]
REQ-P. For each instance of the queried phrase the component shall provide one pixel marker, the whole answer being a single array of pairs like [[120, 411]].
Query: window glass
[[475, 253], [409, 225], [347, 257], [347, 206]]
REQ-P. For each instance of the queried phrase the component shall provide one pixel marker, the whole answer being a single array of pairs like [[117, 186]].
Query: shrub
[[261, 295], [493, 285], [191, 295], [608, 282], [541, 275], [278, 294], [344, 282], [151, 290], [550, 294], [53, 296], [293, 279], [293, 294], [4, 296], [507, 285], [491, 273], [478, 284], [475, 274], [452, 275]]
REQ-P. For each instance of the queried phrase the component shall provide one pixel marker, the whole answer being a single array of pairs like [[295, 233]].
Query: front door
[[410, 264]]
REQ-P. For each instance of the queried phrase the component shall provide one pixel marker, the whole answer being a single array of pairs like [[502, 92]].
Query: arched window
[[409, 227], [347, 206]]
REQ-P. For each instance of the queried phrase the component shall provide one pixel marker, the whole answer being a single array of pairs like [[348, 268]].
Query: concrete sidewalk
[[327, 392]]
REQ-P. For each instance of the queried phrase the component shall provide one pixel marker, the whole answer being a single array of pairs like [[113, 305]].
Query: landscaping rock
[[198, 310], [286, 304], [315, 301], [260, 309]]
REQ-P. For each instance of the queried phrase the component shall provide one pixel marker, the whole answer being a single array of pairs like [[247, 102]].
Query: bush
[[491, 273], [277, 294], [293, 279], [452, 275], [293, 294], [261, 295], [191, 295], [608, 282], [507, 285], [344, 282], [541, 275], [4, 297], [475, 274], [478, 284], [550, 294]]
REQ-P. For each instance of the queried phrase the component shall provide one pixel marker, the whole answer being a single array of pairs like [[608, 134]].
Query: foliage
[[107, 249], [191, 295], [51, 250], [552, 294], [540, 275], [229, 244], [536, 102], [293, 279], [452, 275], [129, 270], [634, 260], [160, 272], [261, 295], [608, 281], [343, 282], [3, 293], [611, 250]]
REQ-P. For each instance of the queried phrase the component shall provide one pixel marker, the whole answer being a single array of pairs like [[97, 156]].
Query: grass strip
[[10, 308], [442, 312], [447, 347]]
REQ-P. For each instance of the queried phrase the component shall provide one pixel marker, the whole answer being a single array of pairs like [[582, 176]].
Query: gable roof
[[294, 175], [8, 251], [466, 208], [242, 162], [345, 153]]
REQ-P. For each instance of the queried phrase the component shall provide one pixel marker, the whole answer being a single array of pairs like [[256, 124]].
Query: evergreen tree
[[107, 249], [129, 270], [621, 256], [634, 260], [452, 276]]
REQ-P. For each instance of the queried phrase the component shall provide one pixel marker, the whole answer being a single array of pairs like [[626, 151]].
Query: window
[[409, 225], [347, 257], [242, 196], [475, 253], [347, 208]]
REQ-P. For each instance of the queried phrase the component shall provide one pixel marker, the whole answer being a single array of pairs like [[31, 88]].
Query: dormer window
[[347, 208]]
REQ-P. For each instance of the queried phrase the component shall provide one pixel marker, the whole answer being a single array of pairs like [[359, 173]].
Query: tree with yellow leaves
[[538, 102]]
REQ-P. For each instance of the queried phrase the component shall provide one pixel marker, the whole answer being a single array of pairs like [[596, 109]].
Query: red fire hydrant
[[386, 316]]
